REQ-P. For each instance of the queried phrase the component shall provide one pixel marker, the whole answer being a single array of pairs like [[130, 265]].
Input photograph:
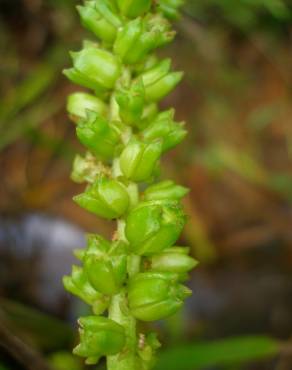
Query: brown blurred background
[[237, 161]]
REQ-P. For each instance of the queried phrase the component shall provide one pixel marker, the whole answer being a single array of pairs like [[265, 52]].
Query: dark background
[[236, 99]]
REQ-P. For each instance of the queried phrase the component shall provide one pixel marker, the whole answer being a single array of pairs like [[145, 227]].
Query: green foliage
[[244, 14], [218, 353]]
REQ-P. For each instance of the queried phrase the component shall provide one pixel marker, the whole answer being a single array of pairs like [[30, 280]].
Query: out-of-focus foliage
[[244, 14], [65, 361], [218, 353]]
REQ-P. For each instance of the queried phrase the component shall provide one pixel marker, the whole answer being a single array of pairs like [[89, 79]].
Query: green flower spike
[[153, 226], [137, 274], [107, 198], [105, 264], [154, 295], [99, 336]]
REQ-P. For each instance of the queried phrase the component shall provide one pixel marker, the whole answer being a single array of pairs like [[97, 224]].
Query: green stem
[[119, 312]]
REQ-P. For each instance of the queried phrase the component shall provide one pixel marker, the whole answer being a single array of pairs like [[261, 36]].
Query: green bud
[[106, 198], [99, 336], [88, 168], [131, 102], [79, 285], [174, 259], [98, 135], [138, 159], [154, 295], [140, 36], [105, 264], [94, 68], [100, 18], [79, 103], [153, 226], [133, 8], [170, 8], [164, 127], [167, 190], [159, 82]]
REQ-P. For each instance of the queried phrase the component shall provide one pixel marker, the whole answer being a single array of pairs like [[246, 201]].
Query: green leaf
[[222, 352]]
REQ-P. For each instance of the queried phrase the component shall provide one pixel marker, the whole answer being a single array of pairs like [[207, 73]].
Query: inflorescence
[[138, 274]]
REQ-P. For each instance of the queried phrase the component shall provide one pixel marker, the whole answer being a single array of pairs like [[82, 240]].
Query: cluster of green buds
[[139, 274]]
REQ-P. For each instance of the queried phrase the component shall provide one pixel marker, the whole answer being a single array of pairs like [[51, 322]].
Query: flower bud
[[99, 18], [106, 198], [170, 8], [174, 259], [153, 226], [94, 68], [88, 168], [105, 264], [167, 190], [131, 102], [154, 295], [138, 159], [172, 133], [79, 285], [140, 36], [133, 8], [98, 135], [79, 103], [99, 336], [159, 82]]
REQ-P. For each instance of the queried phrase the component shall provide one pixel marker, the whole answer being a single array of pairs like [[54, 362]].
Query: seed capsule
[[99, 136], [167, 190], [133, 8], [78, 104], [159, 82], [99, 336], [131, 102], [105, 264], [139, 37], [138, 160], [170, 8], [153, 226], [174, 259], [100, 18], [171, 132], [79, 285], [154, 295], [106, 198], [94, 68]]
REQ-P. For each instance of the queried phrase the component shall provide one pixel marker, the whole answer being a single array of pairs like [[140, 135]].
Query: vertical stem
[[119, 310], [120, 313]]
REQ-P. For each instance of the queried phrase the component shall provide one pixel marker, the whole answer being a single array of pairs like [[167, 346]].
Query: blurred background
[[237, 161]]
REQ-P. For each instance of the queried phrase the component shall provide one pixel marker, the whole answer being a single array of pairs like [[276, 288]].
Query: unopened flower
[[153, 226], [154, 295], [99, 336]]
